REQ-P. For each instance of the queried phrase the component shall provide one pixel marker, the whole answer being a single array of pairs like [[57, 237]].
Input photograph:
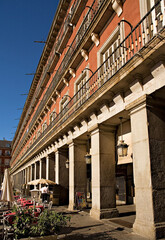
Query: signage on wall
[[80, 200]]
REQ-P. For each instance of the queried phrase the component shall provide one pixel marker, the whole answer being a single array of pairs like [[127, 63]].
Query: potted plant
[[48, 223]]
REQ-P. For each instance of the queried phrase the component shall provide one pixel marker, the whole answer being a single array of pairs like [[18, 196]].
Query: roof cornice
[[56, 24]]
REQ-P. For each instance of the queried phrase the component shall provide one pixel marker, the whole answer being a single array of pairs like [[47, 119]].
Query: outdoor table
[[26, 204], [21, 199], [17, 197]]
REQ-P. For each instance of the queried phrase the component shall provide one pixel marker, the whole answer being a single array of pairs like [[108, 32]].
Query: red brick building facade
[[100, 80], [5, 157]]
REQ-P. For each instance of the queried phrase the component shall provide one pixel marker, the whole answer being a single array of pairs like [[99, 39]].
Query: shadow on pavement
[[79, 236]]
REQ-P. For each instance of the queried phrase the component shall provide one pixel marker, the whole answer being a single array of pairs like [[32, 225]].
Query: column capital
[[103, 128], [137, 104]]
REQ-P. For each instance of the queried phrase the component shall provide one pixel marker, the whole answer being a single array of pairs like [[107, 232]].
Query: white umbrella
[[41, 181], [7, 192]]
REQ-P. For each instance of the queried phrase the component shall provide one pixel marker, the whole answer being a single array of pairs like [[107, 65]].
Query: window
[[64, 102], [8, 145], [157, 14], [44, 126], [7, 162], [38, 133], [111, 55], [52, 116], [82, 87], [0, 152], [34, 138], [64, 106], [7, 152], [0, 161]]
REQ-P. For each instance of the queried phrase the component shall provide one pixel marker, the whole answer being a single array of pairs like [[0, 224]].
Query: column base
[[71, 207], [150, 231], [104, 213]]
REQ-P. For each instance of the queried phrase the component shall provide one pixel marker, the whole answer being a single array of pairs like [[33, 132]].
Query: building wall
[[126, 85], [5, 157]]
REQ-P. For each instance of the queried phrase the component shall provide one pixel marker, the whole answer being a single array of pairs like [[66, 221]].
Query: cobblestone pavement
[[82, 226]]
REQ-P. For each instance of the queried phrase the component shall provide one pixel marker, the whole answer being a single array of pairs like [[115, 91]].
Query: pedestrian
[[44, 193]]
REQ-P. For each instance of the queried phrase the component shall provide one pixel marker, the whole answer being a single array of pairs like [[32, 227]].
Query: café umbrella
[[41, 181], [7, 190]]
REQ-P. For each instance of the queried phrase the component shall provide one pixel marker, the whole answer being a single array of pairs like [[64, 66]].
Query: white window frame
[[52, 116], [8, 162], [44, 126], [81, 81], [7, 152], [38, 133], [114, 62]]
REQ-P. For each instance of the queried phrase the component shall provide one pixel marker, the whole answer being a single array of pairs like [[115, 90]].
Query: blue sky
[[21, 23]]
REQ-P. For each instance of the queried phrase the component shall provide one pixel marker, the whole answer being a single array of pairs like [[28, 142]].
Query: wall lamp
[[66, 96], [122, 147], [123, 20], [87, 69], [90, 8]]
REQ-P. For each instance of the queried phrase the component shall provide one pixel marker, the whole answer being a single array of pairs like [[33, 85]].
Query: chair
[[8, 231], [50, 205]]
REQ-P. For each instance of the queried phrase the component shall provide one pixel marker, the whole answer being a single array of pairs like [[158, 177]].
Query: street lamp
[[67, 163], [88, 156], [122, 147]]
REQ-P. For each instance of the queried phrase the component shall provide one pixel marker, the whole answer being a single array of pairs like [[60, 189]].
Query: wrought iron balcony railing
[[51, 58], [71, 51], [136, 40]]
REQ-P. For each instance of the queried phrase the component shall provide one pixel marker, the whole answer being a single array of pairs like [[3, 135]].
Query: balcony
[[92, 12], [130, 48]]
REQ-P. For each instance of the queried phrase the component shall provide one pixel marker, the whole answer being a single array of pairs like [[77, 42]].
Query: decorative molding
[[58, 94], [66, 82], [95, 38], [117, 7], [72, 72], [53, 100], [85, 54]]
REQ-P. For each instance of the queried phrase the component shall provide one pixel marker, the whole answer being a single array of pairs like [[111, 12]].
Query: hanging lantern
[[122, 148], [67, 163], [88, 158]]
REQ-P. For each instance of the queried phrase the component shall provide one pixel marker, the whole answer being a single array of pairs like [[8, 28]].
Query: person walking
[[44, 193]]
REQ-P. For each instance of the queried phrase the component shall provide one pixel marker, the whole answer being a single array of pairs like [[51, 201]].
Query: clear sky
[[21, 23]]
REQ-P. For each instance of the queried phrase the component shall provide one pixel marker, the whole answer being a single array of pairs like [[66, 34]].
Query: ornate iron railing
[[73, 47], [136, 40]]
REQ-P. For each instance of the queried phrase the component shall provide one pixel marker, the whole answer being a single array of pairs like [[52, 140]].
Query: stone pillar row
[[148, 140]]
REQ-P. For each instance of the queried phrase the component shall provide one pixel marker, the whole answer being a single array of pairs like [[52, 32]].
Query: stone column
[[35, 171], [25, 175], [103, 173], [47, 167], [40, 173], [28, 174], [148, 141], [44, 168], [52, 167], [57, 167], [31, 172], [77, 171]]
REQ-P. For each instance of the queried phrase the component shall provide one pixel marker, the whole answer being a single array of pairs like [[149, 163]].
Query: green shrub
[[48, 223], [23, 221]]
